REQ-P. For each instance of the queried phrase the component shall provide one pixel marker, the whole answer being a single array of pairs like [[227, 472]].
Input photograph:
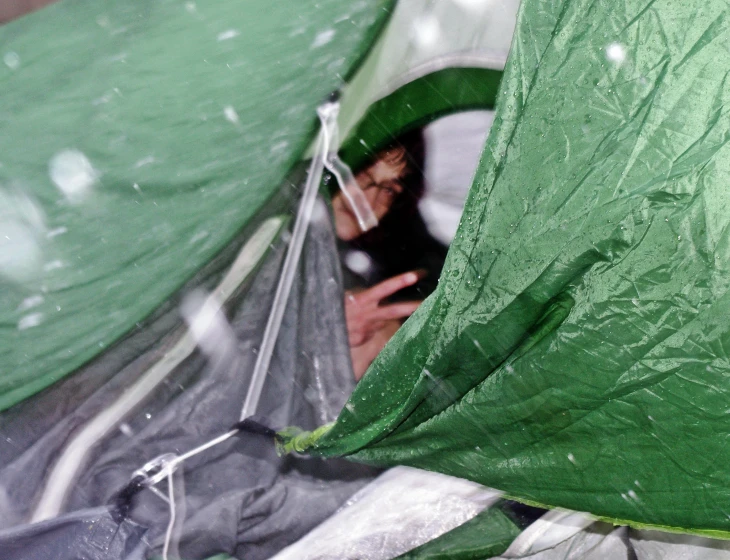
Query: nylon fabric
[[239, 497], [91, 535], [137, 140], [602, 541], [416, 104], [399, 511], [575, 352], [484, 536]]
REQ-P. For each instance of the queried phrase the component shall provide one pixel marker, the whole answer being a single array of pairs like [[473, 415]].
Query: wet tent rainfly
[[150, 164], [117, 135], [150, 149], [574, 353]]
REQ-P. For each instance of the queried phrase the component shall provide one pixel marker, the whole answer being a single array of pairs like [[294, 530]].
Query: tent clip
[[353, 194], [159, 468]]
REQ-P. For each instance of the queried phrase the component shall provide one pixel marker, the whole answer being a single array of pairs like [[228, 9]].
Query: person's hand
[[362, 356], [366, 316]]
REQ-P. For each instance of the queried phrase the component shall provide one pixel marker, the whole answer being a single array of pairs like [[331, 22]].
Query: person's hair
[[401, 241], [405, 205], [413, 182]]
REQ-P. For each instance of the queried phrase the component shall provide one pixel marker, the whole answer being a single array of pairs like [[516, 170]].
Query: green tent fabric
[[488, 534], [136, 139], [426, 36], [418, 103], [575, 352]]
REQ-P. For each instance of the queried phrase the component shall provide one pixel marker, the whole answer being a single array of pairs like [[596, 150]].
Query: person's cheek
[[372, 198], [383, 207]]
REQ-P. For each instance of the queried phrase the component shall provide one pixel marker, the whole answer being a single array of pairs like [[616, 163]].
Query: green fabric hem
[[295, 440], [417, 103], [711, 533]]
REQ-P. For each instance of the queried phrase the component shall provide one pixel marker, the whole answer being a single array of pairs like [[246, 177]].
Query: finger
[[397, 310], [362, 335], [389, 286]]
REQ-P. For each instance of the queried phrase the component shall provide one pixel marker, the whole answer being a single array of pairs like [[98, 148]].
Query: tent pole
[[328, 116]]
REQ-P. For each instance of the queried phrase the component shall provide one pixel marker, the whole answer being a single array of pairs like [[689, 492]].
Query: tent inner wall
[[238, 483]]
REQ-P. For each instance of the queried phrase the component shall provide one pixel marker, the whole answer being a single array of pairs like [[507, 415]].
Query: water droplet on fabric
[[231, 114], [199, 236], [29, 302], [616, 53], [228, 34], [72, 172], [320, 214], [11, 60], [144, 161], [53, 265], [322, 38], [279, 146], [21, 225], [56, 232], [30, 321]]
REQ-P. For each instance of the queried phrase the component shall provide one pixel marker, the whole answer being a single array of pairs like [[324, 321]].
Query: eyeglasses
[[387, 190]]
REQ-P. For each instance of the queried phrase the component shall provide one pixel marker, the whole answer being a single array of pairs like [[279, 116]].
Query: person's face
[[381, 185]]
